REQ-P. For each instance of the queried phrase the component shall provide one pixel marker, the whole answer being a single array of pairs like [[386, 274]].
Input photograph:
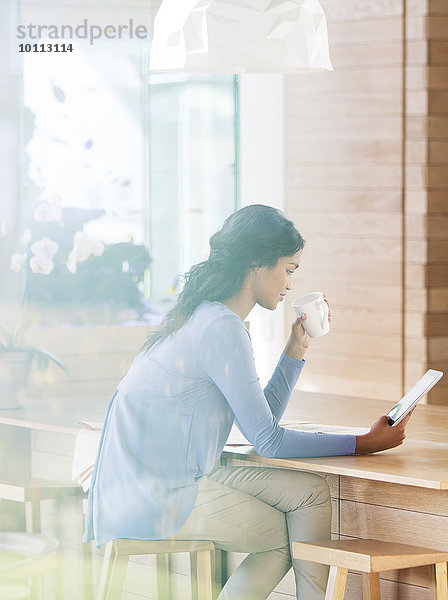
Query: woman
[[168, 421]]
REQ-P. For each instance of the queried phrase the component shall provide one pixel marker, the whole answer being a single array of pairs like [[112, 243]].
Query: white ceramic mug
[[316, 310]]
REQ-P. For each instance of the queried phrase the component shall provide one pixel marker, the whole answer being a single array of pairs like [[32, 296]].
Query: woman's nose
[[288, 286]]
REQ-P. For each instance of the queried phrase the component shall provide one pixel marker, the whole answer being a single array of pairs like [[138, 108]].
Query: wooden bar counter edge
[[421, 461]]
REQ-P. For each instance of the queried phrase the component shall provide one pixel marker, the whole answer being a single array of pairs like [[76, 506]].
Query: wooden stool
[[370, 557], [30, 492], [117, 553], [25, 555]]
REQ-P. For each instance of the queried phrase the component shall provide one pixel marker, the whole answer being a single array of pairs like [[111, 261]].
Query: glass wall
[[84, 171], [121, 179], [112, 182], [193, 188], [125, 178]]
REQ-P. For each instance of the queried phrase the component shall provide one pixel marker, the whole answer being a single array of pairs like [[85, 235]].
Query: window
[[192, 175], [126, 174]]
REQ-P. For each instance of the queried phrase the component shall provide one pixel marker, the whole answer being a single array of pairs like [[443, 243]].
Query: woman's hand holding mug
[[299, 340], [317, 309]]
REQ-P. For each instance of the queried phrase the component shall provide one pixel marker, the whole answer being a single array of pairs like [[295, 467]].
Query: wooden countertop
[[57, 415], [417, 463], [421, 461]]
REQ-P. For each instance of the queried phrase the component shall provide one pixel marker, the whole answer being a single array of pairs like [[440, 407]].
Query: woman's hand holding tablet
[[382, 436], [407, 403], [389, 430]]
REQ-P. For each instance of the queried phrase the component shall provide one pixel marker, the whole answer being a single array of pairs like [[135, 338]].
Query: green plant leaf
[[43, 357], [41, 361], [9, 339]]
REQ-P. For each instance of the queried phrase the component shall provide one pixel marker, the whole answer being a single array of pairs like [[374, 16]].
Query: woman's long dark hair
[[254, 236]]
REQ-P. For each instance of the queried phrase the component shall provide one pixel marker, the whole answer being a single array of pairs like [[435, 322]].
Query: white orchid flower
[[41, 264], [72, 262], [97, 247], [17, 261], [45, 247], [26, 237], [82, 246], [46, 212]]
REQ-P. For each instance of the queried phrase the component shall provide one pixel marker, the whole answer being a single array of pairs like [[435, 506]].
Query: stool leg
[[439, 588], [205, 575], [371, 586], [84, 553], [32, 525], [336, 583], [32, 516], [104, 577], [223, 559], [38, 587], [194, 575], [117, 575], [86, 571], [163, 577]]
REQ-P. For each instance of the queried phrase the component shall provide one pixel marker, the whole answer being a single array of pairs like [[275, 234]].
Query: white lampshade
[[240, 36]]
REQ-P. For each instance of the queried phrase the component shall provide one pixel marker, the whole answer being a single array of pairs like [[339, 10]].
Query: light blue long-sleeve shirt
[[169, 420]]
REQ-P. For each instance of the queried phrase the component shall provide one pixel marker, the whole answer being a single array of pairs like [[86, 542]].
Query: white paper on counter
[[86, 448]]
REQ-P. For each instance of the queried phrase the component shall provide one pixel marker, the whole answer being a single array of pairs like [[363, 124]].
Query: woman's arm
[[279, 389], [281, 385], [226, 358]]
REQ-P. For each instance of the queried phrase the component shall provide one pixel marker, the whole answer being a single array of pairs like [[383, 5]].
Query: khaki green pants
[[261, 511]]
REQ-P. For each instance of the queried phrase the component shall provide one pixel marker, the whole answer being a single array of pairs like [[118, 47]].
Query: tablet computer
[[407, 403]]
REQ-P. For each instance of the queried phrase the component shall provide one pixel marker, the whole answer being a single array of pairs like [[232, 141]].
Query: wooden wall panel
[[345, 196], [414, 215], [392, 495], [371, 521], [438, 103], [366, 183], [390, 590], [437, 185]]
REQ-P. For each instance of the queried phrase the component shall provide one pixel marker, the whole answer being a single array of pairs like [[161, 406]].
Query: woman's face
[[272, 283]]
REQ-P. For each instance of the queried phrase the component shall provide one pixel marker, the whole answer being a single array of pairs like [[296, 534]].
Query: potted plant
[[61, 265], [15, 364]]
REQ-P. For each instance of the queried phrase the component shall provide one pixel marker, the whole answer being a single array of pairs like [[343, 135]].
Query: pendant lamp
[[240, 36]]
